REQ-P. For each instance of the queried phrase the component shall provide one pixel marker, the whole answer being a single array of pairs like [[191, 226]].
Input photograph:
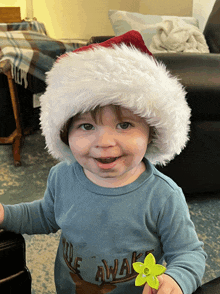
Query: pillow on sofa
[[123, 21]]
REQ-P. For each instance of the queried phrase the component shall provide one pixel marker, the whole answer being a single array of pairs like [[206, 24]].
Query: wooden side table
[[16, 137]]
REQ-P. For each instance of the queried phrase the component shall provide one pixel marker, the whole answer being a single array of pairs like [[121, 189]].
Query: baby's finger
[[160, 278], [149, 290]]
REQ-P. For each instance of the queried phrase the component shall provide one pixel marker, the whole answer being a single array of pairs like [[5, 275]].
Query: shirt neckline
[[113, 191]]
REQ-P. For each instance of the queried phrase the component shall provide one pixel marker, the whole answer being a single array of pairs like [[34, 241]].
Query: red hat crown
[[131, 38]]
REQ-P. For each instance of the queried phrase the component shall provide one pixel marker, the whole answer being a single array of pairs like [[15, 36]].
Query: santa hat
[[119, 71]]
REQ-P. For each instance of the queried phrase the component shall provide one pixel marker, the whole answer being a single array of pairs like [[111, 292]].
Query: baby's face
[[110, 153]]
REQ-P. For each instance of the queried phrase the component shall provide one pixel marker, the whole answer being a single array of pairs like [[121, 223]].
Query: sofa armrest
[[212, 29], [200, 75], [98, 39], [194, 69]]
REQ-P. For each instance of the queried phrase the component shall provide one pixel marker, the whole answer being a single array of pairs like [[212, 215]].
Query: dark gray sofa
[[197, 168]]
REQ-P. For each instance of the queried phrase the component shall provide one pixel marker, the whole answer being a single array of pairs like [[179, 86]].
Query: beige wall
[[167, 7], [85, 18]]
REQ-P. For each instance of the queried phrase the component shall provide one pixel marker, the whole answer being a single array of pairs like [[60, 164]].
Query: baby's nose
[[106, 138]]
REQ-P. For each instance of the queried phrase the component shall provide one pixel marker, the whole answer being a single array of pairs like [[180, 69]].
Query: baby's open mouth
[[107, 160]]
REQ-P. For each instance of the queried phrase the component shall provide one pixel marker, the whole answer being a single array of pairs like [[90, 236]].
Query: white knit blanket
[[175, 35]]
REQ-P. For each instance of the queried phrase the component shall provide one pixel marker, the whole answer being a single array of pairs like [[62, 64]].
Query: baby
[[110, 113]]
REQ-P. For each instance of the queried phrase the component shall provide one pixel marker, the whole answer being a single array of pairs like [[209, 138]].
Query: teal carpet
[[28, 183]]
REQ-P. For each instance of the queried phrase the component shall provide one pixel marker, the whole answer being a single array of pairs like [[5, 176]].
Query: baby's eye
[[124, 125], [86, 127]]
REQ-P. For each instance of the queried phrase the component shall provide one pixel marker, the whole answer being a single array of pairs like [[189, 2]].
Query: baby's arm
[[182, 249], [30, 218], [37, 217]]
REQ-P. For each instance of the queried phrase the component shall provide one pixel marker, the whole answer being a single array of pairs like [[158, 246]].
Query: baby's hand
[[1, 214], [167, 286]]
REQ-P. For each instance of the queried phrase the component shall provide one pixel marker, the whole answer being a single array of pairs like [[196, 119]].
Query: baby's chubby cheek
[[138, 145], [79, 146]]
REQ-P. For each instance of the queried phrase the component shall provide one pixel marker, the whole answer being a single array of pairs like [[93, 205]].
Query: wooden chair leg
[[16, 148]]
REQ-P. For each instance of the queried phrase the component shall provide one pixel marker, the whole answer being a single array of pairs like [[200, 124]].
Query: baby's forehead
[[127, 113], [124, 114]]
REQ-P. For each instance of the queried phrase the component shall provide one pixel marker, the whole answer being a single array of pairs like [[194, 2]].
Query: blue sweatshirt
[[105, 230]]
